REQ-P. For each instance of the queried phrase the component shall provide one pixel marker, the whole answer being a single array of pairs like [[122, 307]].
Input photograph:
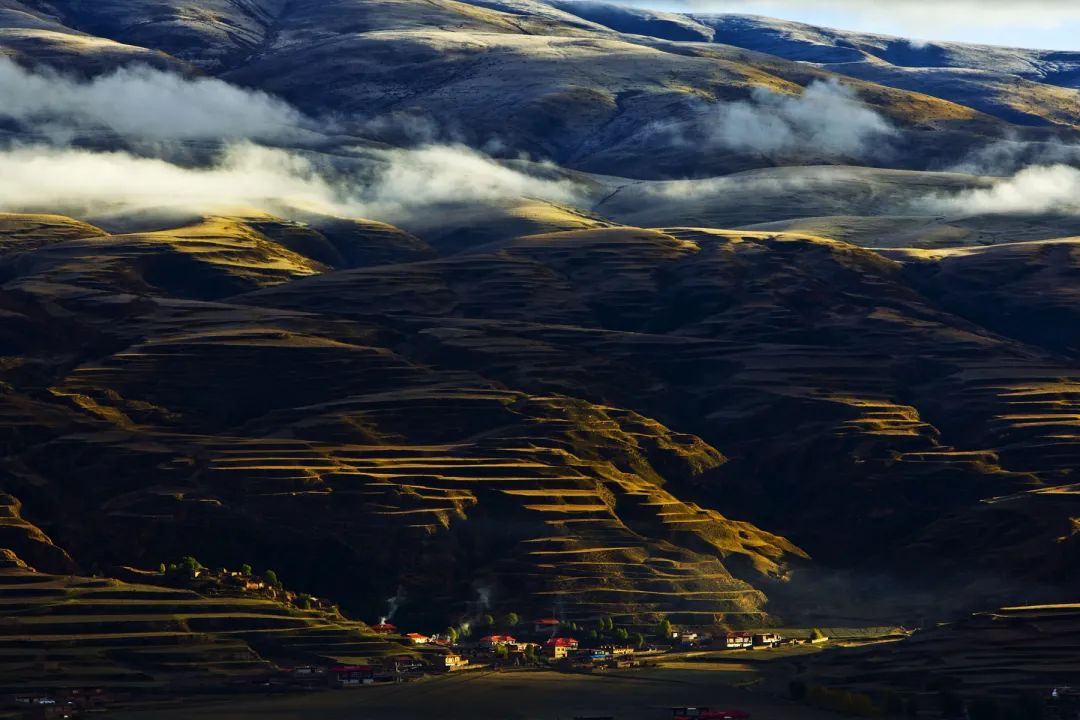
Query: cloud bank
[[827, 121], [1035, 190], [827, 118], [395, 185], [145, 104]]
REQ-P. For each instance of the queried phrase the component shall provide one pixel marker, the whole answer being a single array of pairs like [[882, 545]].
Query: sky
[[1047, 24]]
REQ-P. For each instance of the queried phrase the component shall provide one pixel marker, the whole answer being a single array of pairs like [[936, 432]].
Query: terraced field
[[71, 631], [1007, 651]]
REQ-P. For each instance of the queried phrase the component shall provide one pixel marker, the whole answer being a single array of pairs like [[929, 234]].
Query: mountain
[[536, 307]]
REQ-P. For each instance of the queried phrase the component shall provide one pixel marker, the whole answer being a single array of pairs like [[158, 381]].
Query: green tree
[[663, 628], [272, 579], [511, 620], [609, 623], [247, 570], [622, 635], [501, 651], [816, 634], [487, 621], [161, 569], [639, 641], [190, 566], [452, 634]]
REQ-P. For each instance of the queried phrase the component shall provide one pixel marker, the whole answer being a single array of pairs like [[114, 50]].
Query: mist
[[142, 103], [391, 186], [1034, 190], [827, 121]]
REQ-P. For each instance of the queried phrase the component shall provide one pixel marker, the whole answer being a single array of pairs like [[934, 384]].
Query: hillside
[[553, 308]]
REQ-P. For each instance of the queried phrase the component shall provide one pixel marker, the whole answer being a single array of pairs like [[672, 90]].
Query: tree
[[609, 623], [816, 634], [190, 566], [452, 634], [663, 629], [622, 635], [272, 580], [487, 621], [247, 570], [161, 569], [511, 620], [639, 641]]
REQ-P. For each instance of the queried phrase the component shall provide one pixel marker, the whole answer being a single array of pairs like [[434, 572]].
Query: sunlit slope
[[75, 631], [1023, 86], [857, 402]]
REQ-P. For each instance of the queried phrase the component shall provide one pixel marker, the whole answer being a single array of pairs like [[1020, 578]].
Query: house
[[767, 639], [546, 626], [735, 640], [491, 642], [453, 661], [688, 637], [305, 671], [618, 650], [384, 628], [559, 647], [343, 676], [417, 638]]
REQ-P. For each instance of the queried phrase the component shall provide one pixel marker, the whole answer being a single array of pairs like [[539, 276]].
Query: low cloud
[[827, 121], [1008, 156], [827, 118], [1035, 190], [142, 103], [391, 186]]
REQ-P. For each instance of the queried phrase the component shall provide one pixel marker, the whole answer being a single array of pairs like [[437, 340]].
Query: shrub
[[511, 619]]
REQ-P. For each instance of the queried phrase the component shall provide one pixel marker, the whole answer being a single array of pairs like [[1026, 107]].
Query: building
[[417, 638], [688, 637], [547, 626], [384, 628], [618, 650], [768, 639], [453, 661], [491, 642], [343, 676], [558, 648], [735, 640]]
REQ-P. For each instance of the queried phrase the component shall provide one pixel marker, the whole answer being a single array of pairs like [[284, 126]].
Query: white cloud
[[1034, 190], [827, 118], [395, 185], [142, 103], [827, 121]]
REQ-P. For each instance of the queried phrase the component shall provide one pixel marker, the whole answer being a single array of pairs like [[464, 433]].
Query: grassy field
[[640, 695]]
